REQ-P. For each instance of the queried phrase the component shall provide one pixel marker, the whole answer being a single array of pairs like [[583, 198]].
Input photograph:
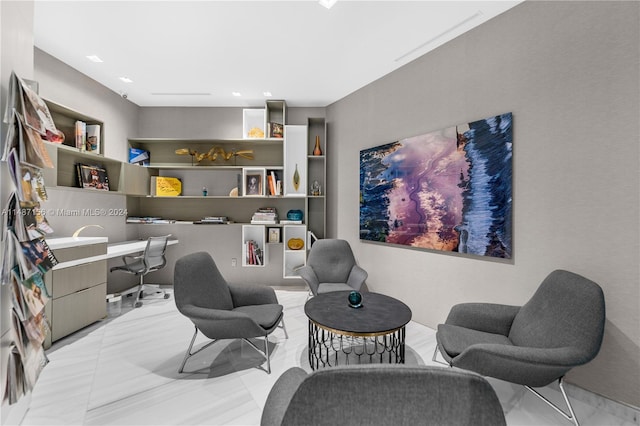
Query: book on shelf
[[81, 135], [265, 216], [93, 138], [274, 185], [276, 130], [253, 253], [290, 222], [92, 177], [139, 156], [213, 220], [142, 219], [165, 186]]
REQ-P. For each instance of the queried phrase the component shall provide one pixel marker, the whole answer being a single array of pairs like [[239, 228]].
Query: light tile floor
[[123, 371]]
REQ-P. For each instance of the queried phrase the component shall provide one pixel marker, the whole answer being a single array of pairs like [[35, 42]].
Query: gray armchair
[[331, 266], [380, 394], [559, 328], [222, 310]]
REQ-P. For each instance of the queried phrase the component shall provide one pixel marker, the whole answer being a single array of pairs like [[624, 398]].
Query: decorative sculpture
[[213, 154]]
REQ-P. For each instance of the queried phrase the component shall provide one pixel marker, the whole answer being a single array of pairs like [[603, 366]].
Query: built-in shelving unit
[[224, 170]]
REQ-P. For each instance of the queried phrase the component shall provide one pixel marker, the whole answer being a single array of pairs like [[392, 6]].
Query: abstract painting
[[448, 190]]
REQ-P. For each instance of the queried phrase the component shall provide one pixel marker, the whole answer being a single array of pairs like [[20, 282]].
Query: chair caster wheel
[[138, 304], [166, 296]]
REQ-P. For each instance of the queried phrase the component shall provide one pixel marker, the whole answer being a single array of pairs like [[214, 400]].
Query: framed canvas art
[[448, 190]]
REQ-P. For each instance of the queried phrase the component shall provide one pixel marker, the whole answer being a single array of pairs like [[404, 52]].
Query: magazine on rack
[[39, 255]]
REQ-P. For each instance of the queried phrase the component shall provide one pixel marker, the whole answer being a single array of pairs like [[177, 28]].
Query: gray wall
[[569, 73]]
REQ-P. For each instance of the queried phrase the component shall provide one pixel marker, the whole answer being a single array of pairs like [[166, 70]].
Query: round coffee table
[[339, 333]]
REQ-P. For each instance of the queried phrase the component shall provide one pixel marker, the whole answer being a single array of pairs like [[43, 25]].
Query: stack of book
[[213, 220], [253, 253], [265, 216]]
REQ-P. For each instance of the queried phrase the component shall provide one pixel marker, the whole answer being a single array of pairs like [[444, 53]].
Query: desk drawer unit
[[78, 289]]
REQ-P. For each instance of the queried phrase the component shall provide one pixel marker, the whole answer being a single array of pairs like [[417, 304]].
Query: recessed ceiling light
[[236, 93], [267, 94], [94, 58], [126, 79], [327, 3]]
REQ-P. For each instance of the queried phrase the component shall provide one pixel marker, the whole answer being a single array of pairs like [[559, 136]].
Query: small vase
[[296, 179], [317, 150]]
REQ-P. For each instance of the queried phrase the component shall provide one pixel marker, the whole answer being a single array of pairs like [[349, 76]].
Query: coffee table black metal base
[[339, 334], [328, 348]]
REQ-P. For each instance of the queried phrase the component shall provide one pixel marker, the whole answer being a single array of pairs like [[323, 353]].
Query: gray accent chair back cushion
[[567, 310], [201, 283], [331, 266], [382, 395], [332, 260]]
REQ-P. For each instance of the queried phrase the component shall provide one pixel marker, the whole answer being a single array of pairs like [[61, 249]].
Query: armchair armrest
[[357, 276], [252, 294], [309, 275], [487, 317], [280, 396]]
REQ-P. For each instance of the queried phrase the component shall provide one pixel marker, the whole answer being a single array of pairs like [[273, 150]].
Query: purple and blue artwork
[[448, 190]]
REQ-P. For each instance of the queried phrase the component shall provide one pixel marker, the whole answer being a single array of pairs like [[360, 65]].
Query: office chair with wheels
[[151, 260]]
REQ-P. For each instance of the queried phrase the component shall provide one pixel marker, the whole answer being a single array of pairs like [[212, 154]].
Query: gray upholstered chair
[[559, 328], [152, 259], [222, 310], [380, 394], [331, 266]]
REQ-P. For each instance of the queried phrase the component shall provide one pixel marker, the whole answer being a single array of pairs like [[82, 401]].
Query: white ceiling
[[196, 53]]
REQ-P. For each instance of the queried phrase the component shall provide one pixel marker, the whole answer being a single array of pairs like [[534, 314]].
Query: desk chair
[[151, 260]]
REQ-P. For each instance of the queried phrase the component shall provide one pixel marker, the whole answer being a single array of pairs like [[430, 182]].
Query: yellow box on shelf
[[165, 186]]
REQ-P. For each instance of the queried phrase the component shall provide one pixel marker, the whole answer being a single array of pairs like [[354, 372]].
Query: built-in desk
[[77, 284], [130, 247]]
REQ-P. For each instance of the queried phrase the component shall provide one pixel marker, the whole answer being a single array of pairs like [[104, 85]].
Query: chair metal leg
[[286, 335], [264, 353], [189, 354], [571, 416], [434, 358], [138, 303]]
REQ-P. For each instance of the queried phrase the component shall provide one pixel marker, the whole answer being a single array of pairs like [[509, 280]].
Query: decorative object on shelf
[[76, 234], [294, 215], [315, 188], [234, 192], [204, 191], [317, 150], [253, 185], [274, 235], [355, 299], [295, 243], [256, 133], [213, 153], [296, 179]]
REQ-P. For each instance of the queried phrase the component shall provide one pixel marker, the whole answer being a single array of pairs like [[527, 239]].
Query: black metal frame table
[[338, 332]]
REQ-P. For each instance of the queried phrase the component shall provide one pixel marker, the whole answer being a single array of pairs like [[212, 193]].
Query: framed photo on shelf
[[273, 235], [253, 182], [92, 177]]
